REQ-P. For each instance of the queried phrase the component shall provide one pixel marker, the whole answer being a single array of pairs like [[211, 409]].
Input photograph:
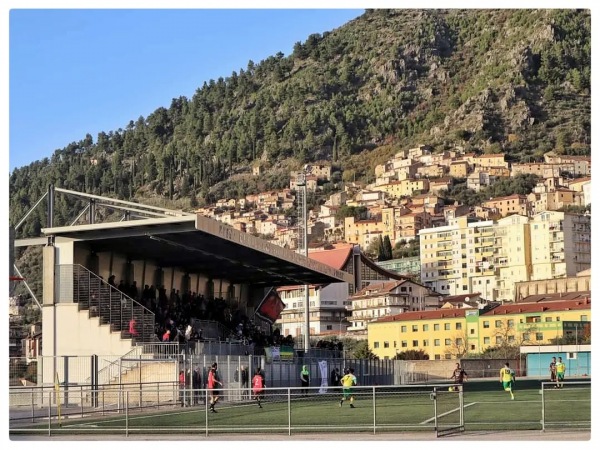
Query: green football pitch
[[485, 406]]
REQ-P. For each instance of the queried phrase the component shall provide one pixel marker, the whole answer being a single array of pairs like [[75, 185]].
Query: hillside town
[[479, 254]]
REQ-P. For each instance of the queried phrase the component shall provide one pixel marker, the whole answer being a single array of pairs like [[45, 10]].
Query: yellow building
[[511, 204], [404, 188], [456, 333], [490, 160], [459, 169], [512, 257], [362, 232], [440, 334]]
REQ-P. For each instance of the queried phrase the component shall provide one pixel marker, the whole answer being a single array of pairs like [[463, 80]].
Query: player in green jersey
[[560, 373], [348, 381], [507, 378]]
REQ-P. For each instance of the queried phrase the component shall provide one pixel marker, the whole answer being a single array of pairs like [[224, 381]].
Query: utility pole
[[303, 248]]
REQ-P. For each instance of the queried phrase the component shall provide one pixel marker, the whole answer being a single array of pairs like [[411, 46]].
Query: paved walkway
[[554, 435]]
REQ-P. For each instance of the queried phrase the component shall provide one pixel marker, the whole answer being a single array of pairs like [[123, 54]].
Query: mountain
[[513, 81]]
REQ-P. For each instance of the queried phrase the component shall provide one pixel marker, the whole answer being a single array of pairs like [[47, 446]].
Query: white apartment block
[[490, 257], [560, 244], [512, 258]]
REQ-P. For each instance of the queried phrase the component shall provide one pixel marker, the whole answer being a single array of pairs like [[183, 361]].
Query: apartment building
[[479, 179], [490, 160], [577, 166], [400, 223], [381, 299], [448, 255], [362, 232], [511, 204], [553, 200], [543, 170], [402, 188], [560, 244], [459, 169], [491, 256], [457, 333], [512, 255], [328, 303]]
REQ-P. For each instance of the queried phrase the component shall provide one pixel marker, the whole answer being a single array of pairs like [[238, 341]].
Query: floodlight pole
[[303, 239]]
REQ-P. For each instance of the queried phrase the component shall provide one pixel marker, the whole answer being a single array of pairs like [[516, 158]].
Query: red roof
[[425, 315], [557, 306], [335, 257]]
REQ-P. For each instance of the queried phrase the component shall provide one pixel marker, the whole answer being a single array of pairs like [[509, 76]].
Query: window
[[415, 343], [448, 341], [425, 327], [426, 343], [458, 326], [486, 340], [436, 327], [403, 329], [330, 327], [548, 319], [375, 344], [584, 318], [386, 344], [472, 331], [511, 339], [436, 342], [511, 323], [526, 336], [446, 326], [438, 357], [473, 347], [395, 344], [447, 356], [415, 327], [498, 324], [459, 341], [486, 324], [539, 336], [498, 340], [404, 344]]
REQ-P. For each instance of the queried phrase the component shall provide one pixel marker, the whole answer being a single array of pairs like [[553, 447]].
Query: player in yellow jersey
[[560, 373], [507, 378], [348, 381]]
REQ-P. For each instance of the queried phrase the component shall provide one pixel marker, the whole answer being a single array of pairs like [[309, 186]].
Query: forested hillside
[[513, 81]]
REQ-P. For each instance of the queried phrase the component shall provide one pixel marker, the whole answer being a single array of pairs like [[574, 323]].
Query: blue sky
[[73, 72]]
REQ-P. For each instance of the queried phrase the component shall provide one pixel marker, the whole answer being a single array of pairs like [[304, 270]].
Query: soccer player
[[258, 385], [507, 378], [348, 381], [459, 375], [553, 370], [560, 373], [213, 384]]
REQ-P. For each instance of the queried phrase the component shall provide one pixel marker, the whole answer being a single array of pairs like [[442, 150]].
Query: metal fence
[[157, 410]]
